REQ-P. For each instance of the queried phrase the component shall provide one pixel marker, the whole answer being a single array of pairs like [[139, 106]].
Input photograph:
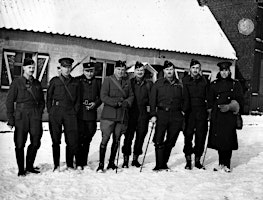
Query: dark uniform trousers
[[168, 126], [28, 119], [138, 124], [196, 125], [58, 116]]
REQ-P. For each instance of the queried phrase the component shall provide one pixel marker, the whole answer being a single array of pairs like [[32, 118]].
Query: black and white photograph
[[131, 99]]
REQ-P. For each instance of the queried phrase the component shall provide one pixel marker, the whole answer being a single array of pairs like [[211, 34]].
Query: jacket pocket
[[109, 112]]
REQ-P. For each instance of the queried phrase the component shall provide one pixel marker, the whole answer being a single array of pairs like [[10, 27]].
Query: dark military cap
[[138, 65], [194, 62], [88, 65], [28, 61], [120, 63], [224, 65], [66, 62], [167, 64]]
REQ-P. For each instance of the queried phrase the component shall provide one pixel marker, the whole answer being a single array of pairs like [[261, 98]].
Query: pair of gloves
[[232, 106], [123, 104]]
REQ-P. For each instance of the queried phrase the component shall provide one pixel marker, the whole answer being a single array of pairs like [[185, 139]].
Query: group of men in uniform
[[129, 106]]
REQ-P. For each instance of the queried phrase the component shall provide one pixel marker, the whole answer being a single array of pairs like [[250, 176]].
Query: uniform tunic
[[222, 134], [195, 108], [27, 115], [62, 109], [138, 117]]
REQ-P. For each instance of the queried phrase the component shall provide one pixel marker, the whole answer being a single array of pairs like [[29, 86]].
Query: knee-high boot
[[114, 149], [159, 158], [56, 156], [102, 158], [30, 159], [20, 161], [69, 157]]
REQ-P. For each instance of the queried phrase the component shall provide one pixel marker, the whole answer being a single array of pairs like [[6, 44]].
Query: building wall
[[58, 46], [228, 13]]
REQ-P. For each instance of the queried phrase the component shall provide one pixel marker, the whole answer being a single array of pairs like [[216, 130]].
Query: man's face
[[168, 72], [195, 70], [29, 69], [119, 72], [224, 73], [89, 73], [65, 70], [139, 72]]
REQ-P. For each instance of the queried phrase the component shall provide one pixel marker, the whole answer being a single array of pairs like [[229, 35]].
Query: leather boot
[[167, 154], [125, 161], [85, 154], [135, 162], [188, 162], [20, 161], [114, 149], [159, 157], [56, 156], [30, 159], [69, 157], [102, 158], [198, 164]]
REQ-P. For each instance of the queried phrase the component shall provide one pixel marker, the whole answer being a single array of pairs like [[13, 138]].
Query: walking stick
[[147, 146], [118, 154], [206, 146]]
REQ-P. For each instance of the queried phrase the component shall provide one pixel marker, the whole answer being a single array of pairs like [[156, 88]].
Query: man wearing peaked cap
[[87, 115], [195, 107], [66, 62], [28, 61], [63, 101], [224, 65], [225, 100], [26, 115]]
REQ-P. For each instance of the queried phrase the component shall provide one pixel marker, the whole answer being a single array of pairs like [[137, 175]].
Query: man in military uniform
[[117, 96], [87, 116], [195, 108], [138, 116], [26, 92], [166, 111], [63, 101]]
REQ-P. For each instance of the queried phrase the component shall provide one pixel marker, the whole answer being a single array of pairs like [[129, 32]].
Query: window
[[104, 68], [12, 66]]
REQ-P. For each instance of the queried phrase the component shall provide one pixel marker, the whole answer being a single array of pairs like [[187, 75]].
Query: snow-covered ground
[[244, 183]]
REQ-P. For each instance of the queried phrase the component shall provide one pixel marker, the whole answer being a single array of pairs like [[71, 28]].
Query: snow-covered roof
[[173, 25]]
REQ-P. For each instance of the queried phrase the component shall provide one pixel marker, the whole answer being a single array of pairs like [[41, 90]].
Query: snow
[[244, 183]]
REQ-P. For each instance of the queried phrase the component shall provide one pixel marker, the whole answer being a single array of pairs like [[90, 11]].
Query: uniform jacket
[[166, 96], [142, 91], [111, 95], [19, 92], [90, 92], [222, 134], [58, 95], [195, 92]]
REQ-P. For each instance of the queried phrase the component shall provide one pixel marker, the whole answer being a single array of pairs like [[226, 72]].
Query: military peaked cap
[[224, 65], [66, 62]]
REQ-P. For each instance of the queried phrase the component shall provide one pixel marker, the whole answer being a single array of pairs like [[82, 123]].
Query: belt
[[62, 104], [167, 109], [26, 105]]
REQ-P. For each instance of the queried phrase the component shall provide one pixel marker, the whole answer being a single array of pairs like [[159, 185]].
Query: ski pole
[[147, 146], [118, 155]]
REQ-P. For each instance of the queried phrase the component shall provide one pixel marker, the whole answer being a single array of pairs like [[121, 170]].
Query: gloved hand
[[125, 104], [11, 122], [223, 107]]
